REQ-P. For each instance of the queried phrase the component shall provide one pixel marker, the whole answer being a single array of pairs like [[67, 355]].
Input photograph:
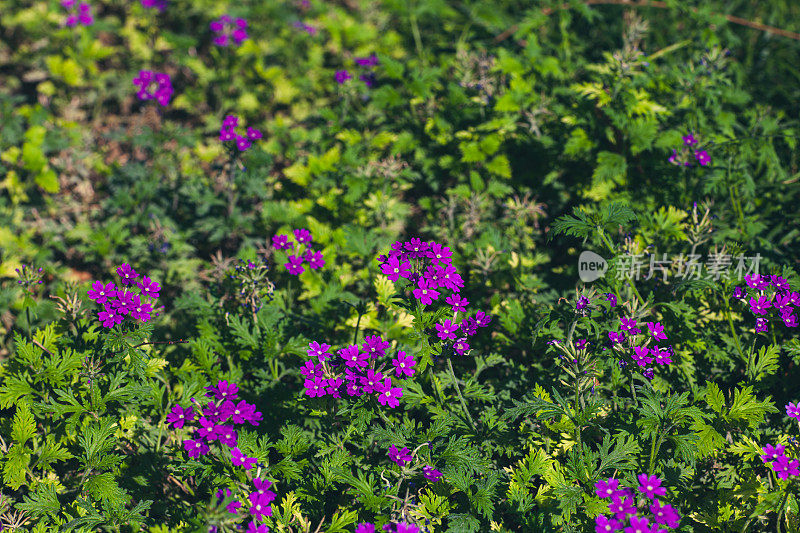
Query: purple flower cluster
[[361, 373], [683, 158], [632, 344], [625, 508], [399, 527], [161, 5], [368, 63], [311, 30], [120, 302], [429, 267], [260, 499], [154, 85], [304, 252], [765, 293], [793, 410], [82, 16], [29, 277], [367, 77], [781, 464], [213, 422], [229, 29], [228, 133]]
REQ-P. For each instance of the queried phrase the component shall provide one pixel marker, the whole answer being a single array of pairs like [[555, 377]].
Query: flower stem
[[458, 391]]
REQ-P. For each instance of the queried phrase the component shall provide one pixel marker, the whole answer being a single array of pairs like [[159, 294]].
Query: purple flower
[[431, 474], [607, 488], [583, 303], [375, 346], [342, 76], [253, 527], [295, 265], [401, 457], [281, 242], [629, 325], [621, 505], [403, 364], [101, 293], [148, 287], [738, 292], [616, 337], [394, 268], [461, 346], [702, 157], [757, 282], [315, 387], [368, 62], [242, 143], [389, 395], [226, 435], [611, 298], [365, 527], [371, 380], [662, 356], [604, 525], [638, 525], [233, 507], [195, 448], [223, 391], [161, 5], [127, 273], [179, 416], [227, 29], [760, 306], [689, 140], [260, 506], [240, 459], [657, 331], [320, 351], [109, 317], [771, 452], [83, 16], [303, 236], [762, 325], [447, 330], [665, 514], [650, 486], [425, 293], [793, 410], [457, 302], [353, 358], [154, 85]]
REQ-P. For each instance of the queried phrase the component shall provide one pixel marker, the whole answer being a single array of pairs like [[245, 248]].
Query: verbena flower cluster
[[684, 158], [355, 371], [154, 85], [82, 15], [229, 30], [29, 277], [397, 527], [228, 133], [367, 77], [769, 297], [782, 465], [303, 251], [625, 509], [403, 457], [123, 302], [161, 5], [217, 424], [429, 269], [311, 30], [637, 345]]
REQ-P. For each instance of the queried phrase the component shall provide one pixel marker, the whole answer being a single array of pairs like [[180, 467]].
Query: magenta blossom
[[650, 486], [229, 29], [401, 457], [154, 86], [179, 416]]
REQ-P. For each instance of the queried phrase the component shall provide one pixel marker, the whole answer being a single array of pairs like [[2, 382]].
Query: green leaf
[[43, 501], [714, 397], [24, 426], [765, 364]]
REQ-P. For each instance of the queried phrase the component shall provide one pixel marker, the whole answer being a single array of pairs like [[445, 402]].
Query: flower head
[[228, 29], [342, 76], [650, 486], [401, 457]]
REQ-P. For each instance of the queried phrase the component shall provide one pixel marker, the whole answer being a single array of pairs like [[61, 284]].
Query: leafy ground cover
[[407, 266]]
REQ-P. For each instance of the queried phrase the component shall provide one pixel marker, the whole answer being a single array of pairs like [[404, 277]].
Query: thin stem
[[578, 426], [458, 391], [733, 331], [28, 320], [633, 390]]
